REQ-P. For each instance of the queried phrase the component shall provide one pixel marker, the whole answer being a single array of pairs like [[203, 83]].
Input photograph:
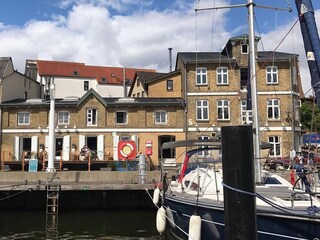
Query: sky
[[138, 33]]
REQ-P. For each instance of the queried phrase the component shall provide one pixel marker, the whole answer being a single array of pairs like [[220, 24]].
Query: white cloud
[[97, 32]]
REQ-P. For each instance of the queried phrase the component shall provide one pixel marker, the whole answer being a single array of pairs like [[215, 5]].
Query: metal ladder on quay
[[53, 188]]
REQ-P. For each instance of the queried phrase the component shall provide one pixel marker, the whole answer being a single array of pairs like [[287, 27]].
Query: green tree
[[310, 116]]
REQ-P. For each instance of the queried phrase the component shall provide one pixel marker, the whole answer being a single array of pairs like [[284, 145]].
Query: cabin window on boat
[[23, 118], [223, 109], [160, 117], [272, 74], [273, 109], [203, 153], [121, 117], [201, 78], [63, 117], [222, 76], [202, 110], [92, 117], [275, 150]]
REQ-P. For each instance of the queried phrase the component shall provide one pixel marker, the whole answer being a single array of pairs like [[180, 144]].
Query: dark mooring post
[[238, 174]]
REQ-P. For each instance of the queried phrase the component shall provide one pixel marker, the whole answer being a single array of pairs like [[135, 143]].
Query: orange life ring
[[127, 149]]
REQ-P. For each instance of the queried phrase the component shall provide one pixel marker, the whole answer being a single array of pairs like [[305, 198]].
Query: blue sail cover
[[311, 41]]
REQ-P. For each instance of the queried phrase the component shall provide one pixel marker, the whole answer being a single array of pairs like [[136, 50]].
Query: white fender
[[161, 220], [170, 217], [174, 184], [195, 228], [156, 195]]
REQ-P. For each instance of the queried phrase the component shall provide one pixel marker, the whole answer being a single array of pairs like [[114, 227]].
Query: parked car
[[277, 163]]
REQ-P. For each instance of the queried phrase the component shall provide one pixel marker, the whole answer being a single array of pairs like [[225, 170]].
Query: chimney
[[170, 59]]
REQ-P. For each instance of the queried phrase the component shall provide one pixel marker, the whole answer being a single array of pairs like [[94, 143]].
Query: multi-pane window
[[169, 85], [202, 109], [204, 152], [92, 117], [223, 110], [121, 117], [275, 150], [201, 76], [272, 74], [86, 85], [23, 118], [246, 115], [274, 109], [63, 117], [222, 75], [160, 117]]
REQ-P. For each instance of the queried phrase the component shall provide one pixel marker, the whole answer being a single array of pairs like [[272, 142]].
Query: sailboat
[[193, 204]]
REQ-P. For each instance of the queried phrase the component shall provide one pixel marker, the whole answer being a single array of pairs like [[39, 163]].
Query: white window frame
[[125, 118], [223, 106], [273, 107], [245, 114], [202, 110], [201, 76], [92, 117], [63, 117], [161, 117], [222, 76], [206, 152], [275, 142], [23, 118], [272, 75], [242, 52]]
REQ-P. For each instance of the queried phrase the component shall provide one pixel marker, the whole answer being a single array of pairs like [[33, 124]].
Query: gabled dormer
[[238, 48]]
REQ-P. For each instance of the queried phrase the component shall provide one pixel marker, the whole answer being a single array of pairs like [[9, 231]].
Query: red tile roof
[[103, 75]]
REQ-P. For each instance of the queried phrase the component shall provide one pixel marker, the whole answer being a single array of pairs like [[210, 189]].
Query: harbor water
[[118, 224]]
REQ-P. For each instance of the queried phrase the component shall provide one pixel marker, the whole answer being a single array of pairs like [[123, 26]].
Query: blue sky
[[135, 33]]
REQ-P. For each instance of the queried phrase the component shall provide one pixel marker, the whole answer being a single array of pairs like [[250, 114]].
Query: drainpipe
[[51, 127], [170, 59], [186, 101], [124, 82]]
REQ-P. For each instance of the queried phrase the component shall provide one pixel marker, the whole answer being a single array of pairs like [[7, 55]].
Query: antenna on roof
[[170, 59]]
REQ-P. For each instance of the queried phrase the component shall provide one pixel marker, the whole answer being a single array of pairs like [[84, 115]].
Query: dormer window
[[103, 79], [75, 73], [244, 49]]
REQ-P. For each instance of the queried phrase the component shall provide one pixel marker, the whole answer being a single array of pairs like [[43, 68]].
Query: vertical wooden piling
[[238, 174]]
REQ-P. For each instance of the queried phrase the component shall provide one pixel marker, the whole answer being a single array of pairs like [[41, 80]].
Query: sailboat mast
[[253, 82]]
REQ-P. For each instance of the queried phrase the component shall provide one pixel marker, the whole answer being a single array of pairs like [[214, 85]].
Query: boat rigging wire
[[272, 204]]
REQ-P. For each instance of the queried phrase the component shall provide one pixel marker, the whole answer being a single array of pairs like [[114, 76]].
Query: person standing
[[292, 157]]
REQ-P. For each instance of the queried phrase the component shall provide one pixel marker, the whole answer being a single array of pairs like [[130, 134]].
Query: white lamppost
[[50, 81]]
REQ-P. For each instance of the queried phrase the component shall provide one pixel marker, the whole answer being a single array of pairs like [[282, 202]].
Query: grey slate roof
[[216, 56]]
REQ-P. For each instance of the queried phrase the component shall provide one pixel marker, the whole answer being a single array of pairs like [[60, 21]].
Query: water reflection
[[113, 225]]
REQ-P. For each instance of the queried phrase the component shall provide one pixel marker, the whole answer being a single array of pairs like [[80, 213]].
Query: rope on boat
[[167, 217], [312, 210]]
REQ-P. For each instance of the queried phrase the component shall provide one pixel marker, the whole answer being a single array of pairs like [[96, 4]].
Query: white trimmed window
[[244, 49], [92, 117], [63, 117], [222, 76], [202, 110], [273, 109], [160, 117], [272, 75], [121, 117], [275, 142], [201, 77], [205, 152], [23, 118], [246, 115], [223, 110]]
